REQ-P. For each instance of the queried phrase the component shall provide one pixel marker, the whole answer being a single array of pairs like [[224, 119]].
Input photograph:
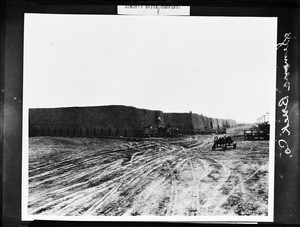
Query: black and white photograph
[[138, 118]]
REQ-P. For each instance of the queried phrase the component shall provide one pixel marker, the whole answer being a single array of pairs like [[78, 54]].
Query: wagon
[[223, 143]]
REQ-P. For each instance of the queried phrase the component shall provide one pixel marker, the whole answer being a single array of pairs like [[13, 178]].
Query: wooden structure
[[260, 132]]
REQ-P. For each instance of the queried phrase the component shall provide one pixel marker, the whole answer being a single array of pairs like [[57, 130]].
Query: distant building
[[112, 121]]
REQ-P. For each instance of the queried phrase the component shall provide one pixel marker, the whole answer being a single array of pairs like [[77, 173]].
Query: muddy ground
[[158, 176]]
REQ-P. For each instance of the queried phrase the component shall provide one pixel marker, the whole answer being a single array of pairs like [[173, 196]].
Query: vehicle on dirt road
[[223, 142]]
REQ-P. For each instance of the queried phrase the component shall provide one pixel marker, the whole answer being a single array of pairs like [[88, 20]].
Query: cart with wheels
[[223, 142]]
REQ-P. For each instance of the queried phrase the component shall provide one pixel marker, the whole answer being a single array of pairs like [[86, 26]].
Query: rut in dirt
[[158, 176]]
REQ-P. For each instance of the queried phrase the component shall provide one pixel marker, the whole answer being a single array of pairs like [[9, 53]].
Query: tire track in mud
[[209, 168], [131, 189], [206, 167], [203, 173], [90, 195], [127, 174], [214, 180], [163, 177], [179, 183], [240, 184], [172, 201], [167, 202], [173, 198]]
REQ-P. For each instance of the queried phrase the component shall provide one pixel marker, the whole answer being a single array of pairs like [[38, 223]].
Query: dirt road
[[183, 176]]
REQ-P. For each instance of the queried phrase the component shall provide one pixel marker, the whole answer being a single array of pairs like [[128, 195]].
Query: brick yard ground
[[155, 176]]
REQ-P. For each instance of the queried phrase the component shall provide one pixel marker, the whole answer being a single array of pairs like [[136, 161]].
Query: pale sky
[[221, 67]]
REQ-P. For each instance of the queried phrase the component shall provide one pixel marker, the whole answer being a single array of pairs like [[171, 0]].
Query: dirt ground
[[155, 176]]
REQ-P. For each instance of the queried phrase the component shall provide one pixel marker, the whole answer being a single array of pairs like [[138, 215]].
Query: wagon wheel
[[216, 139], [224, 148], [234, 145]]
